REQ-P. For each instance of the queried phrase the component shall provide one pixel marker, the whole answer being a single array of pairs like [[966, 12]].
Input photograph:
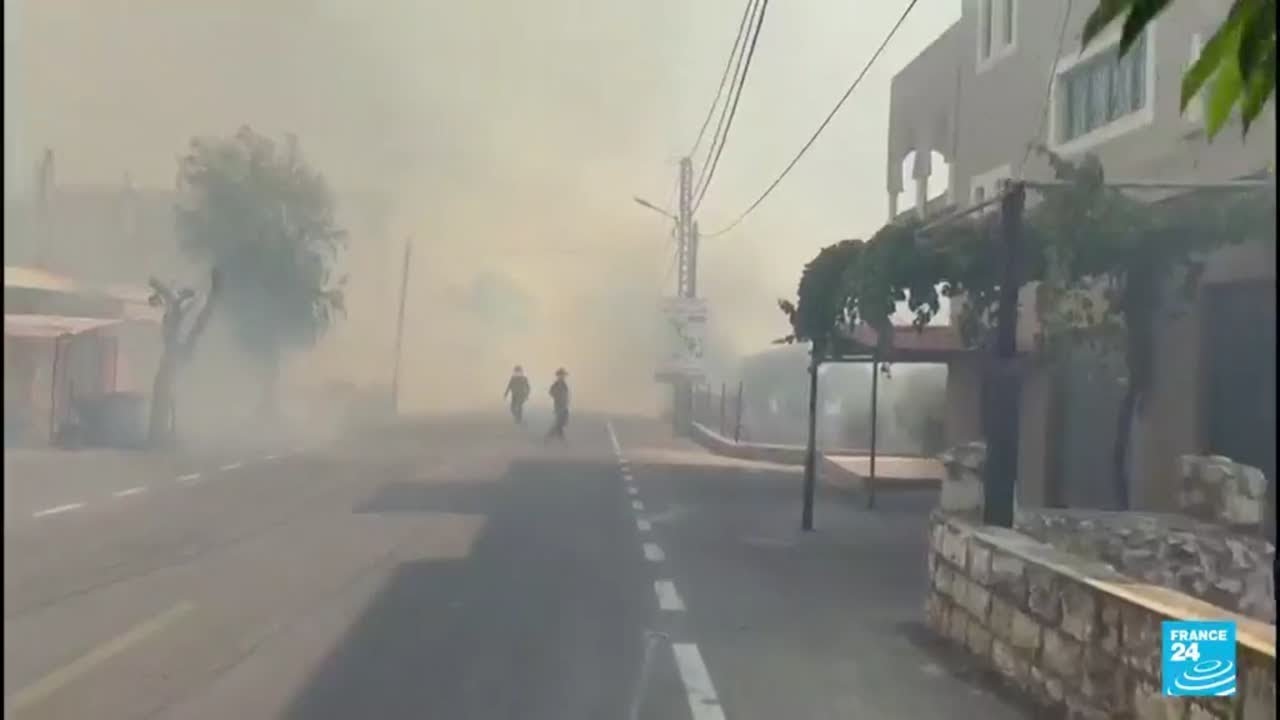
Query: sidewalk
[[842, 469]]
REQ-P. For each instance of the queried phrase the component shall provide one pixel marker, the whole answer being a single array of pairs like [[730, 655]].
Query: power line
[[733, 53], [764, 6], [1048, 90], [752, 8], [821, 127]]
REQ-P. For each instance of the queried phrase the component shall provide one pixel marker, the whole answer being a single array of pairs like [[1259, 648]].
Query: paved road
[[461, 569]]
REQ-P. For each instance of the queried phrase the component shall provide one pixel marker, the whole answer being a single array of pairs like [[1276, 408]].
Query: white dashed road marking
[[231, 466], [189, 479], [637, 506], [703, 702], [653, 553], [632, 491], [643, 525], [129, 491], [668, 598], [59, 509]]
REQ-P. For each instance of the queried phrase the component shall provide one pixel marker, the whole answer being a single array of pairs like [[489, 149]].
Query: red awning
[[52, 326]]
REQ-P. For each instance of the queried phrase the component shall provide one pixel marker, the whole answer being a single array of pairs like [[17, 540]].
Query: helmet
[[517, 370], [561, 372]]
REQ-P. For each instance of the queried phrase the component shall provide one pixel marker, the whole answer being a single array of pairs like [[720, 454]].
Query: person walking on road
[[560, 399], [518, 391]]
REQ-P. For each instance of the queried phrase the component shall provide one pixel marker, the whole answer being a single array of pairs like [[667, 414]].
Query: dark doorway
[[1239, 354]]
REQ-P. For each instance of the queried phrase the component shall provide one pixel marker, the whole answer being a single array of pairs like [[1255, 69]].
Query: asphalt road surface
[[459, 568]]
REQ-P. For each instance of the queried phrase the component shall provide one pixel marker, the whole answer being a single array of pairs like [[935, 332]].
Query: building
[[65, 343], [998, 80]]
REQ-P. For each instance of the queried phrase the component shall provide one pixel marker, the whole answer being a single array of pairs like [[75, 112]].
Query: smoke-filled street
[[461, 569]]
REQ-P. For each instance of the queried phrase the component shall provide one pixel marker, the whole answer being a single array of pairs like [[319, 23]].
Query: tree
[[176, 351], [1240, 58], [258, 212]]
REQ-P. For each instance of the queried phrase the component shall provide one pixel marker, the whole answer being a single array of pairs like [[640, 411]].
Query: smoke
[[504, 139]]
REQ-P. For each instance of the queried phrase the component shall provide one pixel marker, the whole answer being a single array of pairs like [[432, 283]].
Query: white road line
[[270, 458], [637, 506], [653, 553], [56, 680], [130, 491], [59, 509], [613, 438], [632, 491], [627, 476], [668, 598], [643, 525], [189, 479], [231, 466], [703, 702]]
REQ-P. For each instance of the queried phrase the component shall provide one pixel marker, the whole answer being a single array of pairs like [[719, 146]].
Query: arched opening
[[936, 185]]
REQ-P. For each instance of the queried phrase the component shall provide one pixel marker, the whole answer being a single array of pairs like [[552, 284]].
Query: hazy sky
[[498, 126]]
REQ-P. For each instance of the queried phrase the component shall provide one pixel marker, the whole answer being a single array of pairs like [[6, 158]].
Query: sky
[[510, 136]]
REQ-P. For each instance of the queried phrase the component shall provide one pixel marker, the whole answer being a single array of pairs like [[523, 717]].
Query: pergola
[[932, 344]]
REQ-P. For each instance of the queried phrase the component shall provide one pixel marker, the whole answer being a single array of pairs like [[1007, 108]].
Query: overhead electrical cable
[[822, 127]]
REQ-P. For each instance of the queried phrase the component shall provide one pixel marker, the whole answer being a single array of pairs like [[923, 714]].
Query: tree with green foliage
[[1107, 264], [1237, 66], [259, 213]]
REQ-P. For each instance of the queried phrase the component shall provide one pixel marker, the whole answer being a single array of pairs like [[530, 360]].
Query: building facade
[[1012, 73]]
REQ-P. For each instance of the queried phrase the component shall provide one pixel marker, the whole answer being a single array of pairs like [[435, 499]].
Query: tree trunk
[[268, 408], [1120, 452], [160, 425]]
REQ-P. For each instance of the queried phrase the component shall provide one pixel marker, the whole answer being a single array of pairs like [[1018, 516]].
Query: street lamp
[[645, 203]]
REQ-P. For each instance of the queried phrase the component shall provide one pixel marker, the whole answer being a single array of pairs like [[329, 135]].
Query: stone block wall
[[1076, 637], [1212, 551], [1219, 490]]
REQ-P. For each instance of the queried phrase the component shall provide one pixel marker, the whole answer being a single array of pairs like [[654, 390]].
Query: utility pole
[[404, 287], [1003, 415], [686, 286]]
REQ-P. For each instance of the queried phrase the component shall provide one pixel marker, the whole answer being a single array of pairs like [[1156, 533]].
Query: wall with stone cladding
[[1217, 489], [1213, 551], [1075, 636]]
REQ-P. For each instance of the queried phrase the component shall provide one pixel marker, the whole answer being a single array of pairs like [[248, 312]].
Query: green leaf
[[1226, 91], [1260, 87], [1140, 15], [1212, 57], [1102, 16], [1257, 21]]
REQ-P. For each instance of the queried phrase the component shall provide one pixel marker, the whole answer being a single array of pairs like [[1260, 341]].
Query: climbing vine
[[1108, 263]]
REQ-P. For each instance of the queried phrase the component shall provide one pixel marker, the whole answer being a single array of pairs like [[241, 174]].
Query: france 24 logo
[[1198, 658]]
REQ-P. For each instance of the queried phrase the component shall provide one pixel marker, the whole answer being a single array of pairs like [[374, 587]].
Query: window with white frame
[[985, 29], [997, 30], [1007, 22], [1101, 90]]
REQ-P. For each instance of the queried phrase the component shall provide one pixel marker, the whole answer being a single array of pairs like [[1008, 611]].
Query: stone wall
[[1204, 560], [1218, 557], [1219, 490], [1076, 637]]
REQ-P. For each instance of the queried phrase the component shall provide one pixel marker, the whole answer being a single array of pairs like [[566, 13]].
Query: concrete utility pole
[[686, 286], [404, 287]]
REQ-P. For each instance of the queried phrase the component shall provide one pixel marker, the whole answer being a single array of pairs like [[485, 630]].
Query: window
[[997, 31], [984, 29], [979, 195], [1101, 90], [1008, 23]]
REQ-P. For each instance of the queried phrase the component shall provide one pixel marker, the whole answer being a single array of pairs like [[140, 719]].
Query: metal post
[[811, 450], [1002, 442], [395, 372], [723, 392], [737, 426], [875, 422]]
